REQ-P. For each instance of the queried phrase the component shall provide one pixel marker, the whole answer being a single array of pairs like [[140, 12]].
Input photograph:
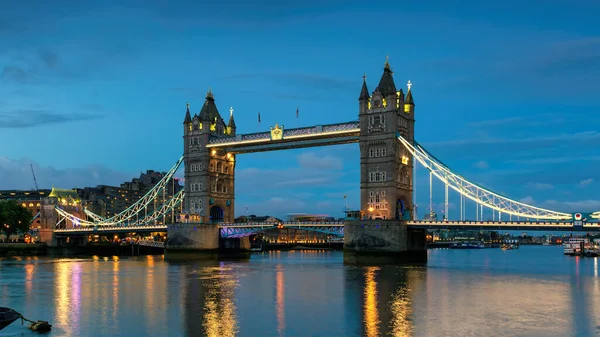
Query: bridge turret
[[387, 87], [409, 103], [188, 117], [231, 125], [364, 97]]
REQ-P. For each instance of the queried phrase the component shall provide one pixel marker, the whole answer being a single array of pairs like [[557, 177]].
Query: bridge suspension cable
[[478, 194], [131, 211], [93, 215]]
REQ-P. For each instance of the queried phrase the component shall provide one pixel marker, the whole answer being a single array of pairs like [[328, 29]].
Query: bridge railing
[[109, 228], [284, 223]]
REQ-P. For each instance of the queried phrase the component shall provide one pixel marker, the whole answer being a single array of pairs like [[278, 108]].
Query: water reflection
[[210, 301], [309, 294], [384, 299], [280, 299]]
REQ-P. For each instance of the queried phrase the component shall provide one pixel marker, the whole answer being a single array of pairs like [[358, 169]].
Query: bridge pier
[[193, 240], [383, 241]]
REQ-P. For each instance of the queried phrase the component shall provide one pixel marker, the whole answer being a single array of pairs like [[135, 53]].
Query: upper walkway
[[280, 139]]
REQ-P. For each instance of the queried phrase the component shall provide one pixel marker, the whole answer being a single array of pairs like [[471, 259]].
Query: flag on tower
[[297, 111], [259, 117]]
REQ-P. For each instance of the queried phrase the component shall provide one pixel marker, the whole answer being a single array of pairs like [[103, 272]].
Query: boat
[[546, 244], [574, 246], [509, 246], [7, 316]]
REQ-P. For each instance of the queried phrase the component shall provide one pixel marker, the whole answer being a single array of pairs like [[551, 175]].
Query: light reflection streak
[[400, 307], [280, 299], [220, 318], [29, 276], [115, 285], [149, 296], [371, 315], [595, 267]]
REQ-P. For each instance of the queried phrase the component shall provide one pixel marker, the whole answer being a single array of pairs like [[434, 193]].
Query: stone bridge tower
[[209, 174], [386, 185]]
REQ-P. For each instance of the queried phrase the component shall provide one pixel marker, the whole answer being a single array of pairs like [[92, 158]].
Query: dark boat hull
[[7, 316]]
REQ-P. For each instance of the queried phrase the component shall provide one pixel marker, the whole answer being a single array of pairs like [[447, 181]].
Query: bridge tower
[[386, 177], [209, 183], [386, 166], [209, 174]]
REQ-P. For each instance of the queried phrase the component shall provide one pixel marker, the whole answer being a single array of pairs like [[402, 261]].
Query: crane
[[34, 180]]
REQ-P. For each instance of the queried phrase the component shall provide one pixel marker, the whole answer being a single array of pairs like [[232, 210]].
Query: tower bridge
[[389, 154]]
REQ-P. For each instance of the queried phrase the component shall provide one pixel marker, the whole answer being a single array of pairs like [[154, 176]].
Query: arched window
[[219, 167]]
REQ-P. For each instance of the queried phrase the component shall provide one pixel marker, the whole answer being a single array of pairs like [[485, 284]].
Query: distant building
[[67, 200], [254, 218], [28, 199], [107, 201]]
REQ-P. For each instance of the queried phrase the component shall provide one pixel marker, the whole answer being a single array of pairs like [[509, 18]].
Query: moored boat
[[8, 316]]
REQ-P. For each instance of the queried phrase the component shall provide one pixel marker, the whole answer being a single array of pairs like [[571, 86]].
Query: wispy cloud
[[323, 162], [540, 186], [481, 165], [16, 174], [586, 182], [26, 118]]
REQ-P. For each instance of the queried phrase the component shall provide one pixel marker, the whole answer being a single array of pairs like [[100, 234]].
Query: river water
[[533, 291]]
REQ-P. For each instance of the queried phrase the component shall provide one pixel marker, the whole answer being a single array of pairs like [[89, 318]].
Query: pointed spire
[[409, 97], [231, 123], [188, 116], [209, 111], [209, 95], [386, 83], [364, 92]]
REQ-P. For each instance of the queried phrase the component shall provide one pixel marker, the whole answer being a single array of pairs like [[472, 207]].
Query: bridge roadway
[[337, 228]]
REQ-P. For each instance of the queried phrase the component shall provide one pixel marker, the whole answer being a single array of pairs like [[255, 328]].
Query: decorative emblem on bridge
[[277, 132]]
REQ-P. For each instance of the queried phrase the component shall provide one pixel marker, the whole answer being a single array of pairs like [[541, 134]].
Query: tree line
[[14, 218]]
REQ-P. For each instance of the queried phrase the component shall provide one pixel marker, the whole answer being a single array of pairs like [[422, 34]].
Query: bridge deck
[[230, 229], [317, 135]]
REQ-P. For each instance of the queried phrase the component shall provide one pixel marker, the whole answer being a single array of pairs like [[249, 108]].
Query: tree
[[14, 218]]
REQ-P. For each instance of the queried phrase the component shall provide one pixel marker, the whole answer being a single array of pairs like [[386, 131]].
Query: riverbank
[[23, 249]]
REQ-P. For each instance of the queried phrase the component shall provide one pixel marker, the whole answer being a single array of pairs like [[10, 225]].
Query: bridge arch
[[216, 214]]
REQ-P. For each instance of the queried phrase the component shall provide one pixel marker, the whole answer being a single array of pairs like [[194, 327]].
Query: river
[[533, 291]]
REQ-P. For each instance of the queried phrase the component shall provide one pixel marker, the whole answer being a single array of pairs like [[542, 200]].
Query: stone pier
[[199, 240], [383, 241]]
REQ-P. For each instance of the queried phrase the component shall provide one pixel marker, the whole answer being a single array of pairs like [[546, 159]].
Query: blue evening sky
[[506, 93]]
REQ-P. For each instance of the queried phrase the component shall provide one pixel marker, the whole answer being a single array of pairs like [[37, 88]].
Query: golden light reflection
[[371, 315], [149, 293], [280, 299], [29, 276], [68, 292], [115, 284], [220, 318], [400, 307]]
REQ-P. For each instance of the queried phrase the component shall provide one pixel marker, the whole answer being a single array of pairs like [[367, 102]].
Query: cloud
[[528, 200], [25, 118], [571, 206], [540, 186], [481, 165], [16, 174], [586, 182], [323, 162]]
